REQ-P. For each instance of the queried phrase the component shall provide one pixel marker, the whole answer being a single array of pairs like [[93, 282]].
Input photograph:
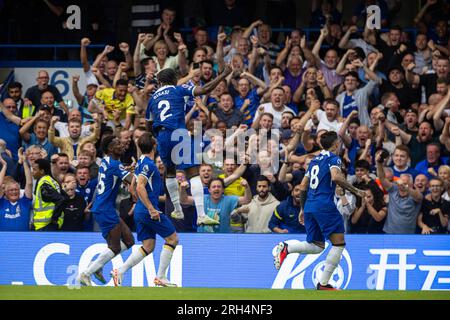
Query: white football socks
[[197, 194], [133, 260], [333, 258], [102, 259], [164, 261], [304, 248], [172, 188]]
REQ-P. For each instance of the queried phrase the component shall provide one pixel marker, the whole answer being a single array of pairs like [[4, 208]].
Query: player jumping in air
[[319, 214], [117, 234], [167, 108], [149, 221]]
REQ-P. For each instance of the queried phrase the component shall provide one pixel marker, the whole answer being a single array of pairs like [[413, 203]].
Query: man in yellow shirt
[[232, 180], [109, 101]]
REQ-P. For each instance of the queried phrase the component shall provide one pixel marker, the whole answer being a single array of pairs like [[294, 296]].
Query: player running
[[148, 218], [117, 234], [167, 108], [319, 214]]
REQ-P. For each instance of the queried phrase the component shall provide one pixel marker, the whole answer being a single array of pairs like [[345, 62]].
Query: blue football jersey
[[321, 189], [15, 216], [146, 168], [167, 106], [110, 175], [190, 100]]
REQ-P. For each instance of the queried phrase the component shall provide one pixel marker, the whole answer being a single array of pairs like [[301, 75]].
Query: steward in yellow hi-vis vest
[[27, 111], [48, 199]]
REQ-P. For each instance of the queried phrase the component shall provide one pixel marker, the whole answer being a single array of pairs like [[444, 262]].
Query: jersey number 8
[[314, 177]]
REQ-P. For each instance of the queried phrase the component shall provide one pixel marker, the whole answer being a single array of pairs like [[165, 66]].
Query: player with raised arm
[[167, 108], [117, 234], [319, 214], [148, 218]]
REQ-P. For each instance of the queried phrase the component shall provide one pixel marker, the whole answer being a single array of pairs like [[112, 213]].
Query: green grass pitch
[[152, 293]]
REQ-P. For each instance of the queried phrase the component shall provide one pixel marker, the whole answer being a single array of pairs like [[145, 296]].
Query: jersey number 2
[[166, 105], [314, 177]]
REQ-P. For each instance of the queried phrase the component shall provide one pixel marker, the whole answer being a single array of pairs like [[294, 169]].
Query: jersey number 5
[[166, 105], [101, 183], [314, 177]]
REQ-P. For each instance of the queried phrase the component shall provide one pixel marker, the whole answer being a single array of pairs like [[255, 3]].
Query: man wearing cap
[[408, 97]]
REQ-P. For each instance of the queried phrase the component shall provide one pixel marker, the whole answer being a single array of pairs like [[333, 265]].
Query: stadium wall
[[378, 262]]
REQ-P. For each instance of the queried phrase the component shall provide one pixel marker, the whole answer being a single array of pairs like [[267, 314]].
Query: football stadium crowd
[[384, 92]]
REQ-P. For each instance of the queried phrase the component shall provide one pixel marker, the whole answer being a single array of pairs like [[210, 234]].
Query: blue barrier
[[383, 262]]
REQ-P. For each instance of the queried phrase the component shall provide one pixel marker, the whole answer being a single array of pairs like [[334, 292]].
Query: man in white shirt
[[276, 107], [328, 119], [63, 127]]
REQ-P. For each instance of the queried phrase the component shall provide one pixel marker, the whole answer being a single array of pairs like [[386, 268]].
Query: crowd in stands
[[385, 93]]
